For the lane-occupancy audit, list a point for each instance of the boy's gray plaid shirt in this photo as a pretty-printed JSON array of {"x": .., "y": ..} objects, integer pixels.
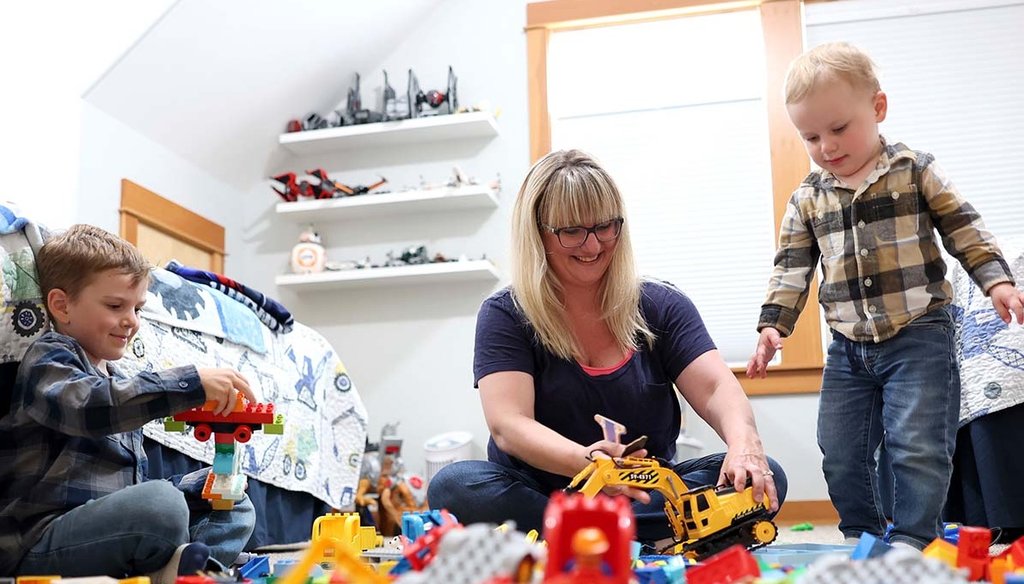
[
  {"x": 74, "y": 434},
  {"x": 879, "y": 253}
]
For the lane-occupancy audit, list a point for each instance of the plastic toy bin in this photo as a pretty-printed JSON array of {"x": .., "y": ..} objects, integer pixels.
[{"x": 444, "y": 449}]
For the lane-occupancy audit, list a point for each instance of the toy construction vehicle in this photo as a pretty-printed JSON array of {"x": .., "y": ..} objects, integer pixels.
[{"x": 704, "y": 521}]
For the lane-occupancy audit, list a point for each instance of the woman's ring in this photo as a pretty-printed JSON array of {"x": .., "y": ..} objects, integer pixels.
[{"x": 768, "y": 473}]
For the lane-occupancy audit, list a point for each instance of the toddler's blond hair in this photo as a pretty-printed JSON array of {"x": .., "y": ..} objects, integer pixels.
[{"x": 828, "y": 63}]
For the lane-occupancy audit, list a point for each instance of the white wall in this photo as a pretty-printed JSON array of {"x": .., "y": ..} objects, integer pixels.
[
  {"x": 409, "y": 350},
  {"x": 53, "y": 50},
  {"x": 111, "y": 151},
  {"x": 787, "y": 424}
]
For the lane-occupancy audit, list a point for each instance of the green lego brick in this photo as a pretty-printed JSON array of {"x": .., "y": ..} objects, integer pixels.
[{"x": 172, "y": 425}]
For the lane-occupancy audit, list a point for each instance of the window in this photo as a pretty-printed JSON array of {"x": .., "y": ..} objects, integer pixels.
[
  {"x": 952, "y": 71},
  {"x": 685, "y": 114},
  {"x": 686, "y": 139}
]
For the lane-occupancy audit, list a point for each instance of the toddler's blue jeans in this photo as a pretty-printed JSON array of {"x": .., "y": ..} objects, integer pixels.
[
  {"x": 135, "y": 531},
  {"x": 482, "y": 491},
  {"x": 906, "y": 391}
]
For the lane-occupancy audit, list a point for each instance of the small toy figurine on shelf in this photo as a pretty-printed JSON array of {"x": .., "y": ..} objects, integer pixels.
[
  {"x": 433, "y": 102},
  {"x": 308, "y": 255},
  {"x": 293, "y": 190}
]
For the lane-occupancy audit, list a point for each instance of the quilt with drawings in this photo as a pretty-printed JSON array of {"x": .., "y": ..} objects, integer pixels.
[
  {"x": 21, "y": 301},
  {"x": 991, "y": 352},
  {"x": 321, "y": 450}
]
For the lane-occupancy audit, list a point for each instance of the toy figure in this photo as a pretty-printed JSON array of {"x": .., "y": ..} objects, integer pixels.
[
  {"x": 293, "y": 189},
  {"x": 308, "y": 254},
  {"x": 429, "y": 103},
  {"x": 354, "y": 108},
  {"x": 384, "y": 492}
]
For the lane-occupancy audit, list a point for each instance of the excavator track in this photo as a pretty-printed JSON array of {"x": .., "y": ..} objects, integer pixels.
[{"x": 752, "y": 532}]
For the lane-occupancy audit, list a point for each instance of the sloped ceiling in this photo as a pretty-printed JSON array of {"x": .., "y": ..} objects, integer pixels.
[{"x": 216, "y": 82}]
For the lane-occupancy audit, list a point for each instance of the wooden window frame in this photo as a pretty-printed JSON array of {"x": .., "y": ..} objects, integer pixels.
[
  {"x": 782, "y": 26},
  {"x": 141, "y": 205}
]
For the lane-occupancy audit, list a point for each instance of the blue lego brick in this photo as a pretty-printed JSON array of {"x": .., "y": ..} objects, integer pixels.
[
  {"x": 650, "y": 575},
  {"x": 417, "y": 523},
  {"x": 223, "y": 464},
  {"x": 798, "y": 554},
  {"x": 869, "y": 546},
  {"x": 257, "y": 567},
  {"x": 951, "y": 532}
]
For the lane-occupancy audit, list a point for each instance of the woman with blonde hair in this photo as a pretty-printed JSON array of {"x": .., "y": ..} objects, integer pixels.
[{"x": 579, "y": 334}]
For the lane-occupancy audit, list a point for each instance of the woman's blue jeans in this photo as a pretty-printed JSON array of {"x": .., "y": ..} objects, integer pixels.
[
  {"x": 135, "y": 531},
  {"x": 482, "y": 491},
  {"x": 906, "y": 391}
]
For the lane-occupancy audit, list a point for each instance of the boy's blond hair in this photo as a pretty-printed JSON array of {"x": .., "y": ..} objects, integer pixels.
[
  {"x": 828, "y": 63},
  {"x": 69, "y": 260},
  {"x": 566, "y": 188}
]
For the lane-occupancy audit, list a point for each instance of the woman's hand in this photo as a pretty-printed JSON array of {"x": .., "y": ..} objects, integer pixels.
[
  {"x": 606, "y": 449},
  {"x": 741, "y": 464}
]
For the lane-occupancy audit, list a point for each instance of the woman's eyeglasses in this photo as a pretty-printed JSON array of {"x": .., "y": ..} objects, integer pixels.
[{"x": 577, "y": 235}]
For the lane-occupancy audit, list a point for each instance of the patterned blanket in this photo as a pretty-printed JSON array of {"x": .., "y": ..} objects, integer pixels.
[
  {"x": 321, "y": 450},
  {"x": 175, "y": 301},
  {"x": 991, "y": 353},
  {"x": 24, "y": 318}
]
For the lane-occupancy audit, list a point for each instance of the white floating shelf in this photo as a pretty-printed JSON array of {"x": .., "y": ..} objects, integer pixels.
[
  {"x": 379, "y": 205},
  {"x": 425, "y": 129},
  {"x": 441, "y": 272}
]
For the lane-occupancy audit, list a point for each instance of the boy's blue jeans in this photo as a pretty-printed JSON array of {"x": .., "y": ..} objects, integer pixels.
[
  {"x": 905, "y": 390},
  {"x": 135, "y": 531},
  {"x": 482, "y": 491}
]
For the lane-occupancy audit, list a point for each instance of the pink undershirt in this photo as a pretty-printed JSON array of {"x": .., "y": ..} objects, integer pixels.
[{"x": 595, "y": 371}]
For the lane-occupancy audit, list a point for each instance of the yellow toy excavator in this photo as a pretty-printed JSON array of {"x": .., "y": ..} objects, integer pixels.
[{"x": 704, "y": 521}]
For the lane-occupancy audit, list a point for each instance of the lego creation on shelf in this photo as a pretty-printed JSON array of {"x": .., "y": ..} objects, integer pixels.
[
  {"x": 226, "y": 484},
  {"x": 458, "y": 126},
  {"x": 406, "y": 113},
  {"x": 325, "y": 188}
]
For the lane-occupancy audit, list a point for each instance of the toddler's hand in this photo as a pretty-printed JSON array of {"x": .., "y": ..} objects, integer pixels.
[
  {"x": 1008, "y": 301},
  {"x": 222, "y": 386},
  {"x": 769, "y": 342}
]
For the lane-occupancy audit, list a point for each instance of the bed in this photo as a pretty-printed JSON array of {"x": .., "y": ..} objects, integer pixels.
[
  {"x": 312, "y": 469},
  {"x": 987, "y": 472}
]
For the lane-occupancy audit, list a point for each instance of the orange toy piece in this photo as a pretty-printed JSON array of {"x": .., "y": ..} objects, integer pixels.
[{"x": 588, "y": 546}]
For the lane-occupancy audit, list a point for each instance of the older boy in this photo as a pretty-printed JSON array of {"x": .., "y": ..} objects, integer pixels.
[
  {"x": 870, "y": 214},
  {"x": 74, "y": 499}
]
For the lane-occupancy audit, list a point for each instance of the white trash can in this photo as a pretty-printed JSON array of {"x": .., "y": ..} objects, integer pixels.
[{"x": 444, "y": 449}]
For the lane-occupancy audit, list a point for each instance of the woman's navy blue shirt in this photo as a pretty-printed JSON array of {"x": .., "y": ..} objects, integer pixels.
[{"x": 640, "y": 394}]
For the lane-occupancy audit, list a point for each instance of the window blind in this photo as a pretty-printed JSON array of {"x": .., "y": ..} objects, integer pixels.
[
  {"x": 674, "y": 110},
  {"x": 954, "y": 74}
]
